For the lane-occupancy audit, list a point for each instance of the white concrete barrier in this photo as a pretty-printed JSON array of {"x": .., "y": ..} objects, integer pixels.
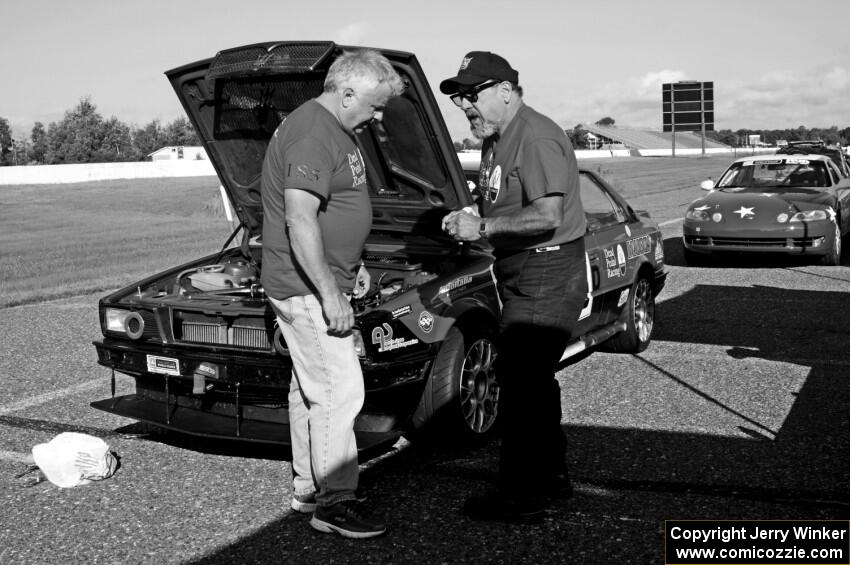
[
  {"x": 84, "y": 172},
  {"x": 472, "y": 157},
  {"x": 602, "y": 153}
]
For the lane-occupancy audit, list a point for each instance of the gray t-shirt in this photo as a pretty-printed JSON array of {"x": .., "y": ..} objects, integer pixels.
[{"x": 310, "y": 151}]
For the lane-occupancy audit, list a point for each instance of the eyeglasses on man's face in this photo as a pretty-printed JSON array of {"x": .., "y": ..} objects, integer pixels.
[{"x": 472, "y": 94}]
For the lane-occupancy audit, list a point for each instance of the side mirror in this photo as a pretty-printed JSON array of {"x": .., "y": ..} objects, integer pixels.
[{"x": 707, "y": 184}]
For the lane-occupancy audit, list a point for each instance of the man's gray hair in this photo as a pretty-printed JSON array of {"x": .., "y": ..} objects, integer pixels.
[{"x": 362, "y": 65}]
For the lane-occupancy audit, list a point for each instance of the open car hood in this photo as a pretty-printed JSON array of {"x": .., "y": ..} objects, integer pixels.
[{"x": 236, "y": 100}]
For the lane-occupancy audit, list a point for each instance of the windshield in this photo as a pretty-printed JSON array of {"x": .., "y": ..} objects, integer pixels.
[{"x": 775, "y": 173}]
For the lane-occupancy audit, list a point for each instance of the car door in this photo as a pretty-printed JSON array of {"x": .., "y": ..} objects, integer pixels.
[{"x": 607, "y": 233}]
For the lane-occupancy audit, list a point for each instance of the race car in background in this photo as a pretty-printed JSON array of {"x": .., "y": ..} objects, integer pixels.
[
  {"x": 836, "y": 153},
  {"x": 200, "y": 340},
  {"x": 796, "y": 204}
]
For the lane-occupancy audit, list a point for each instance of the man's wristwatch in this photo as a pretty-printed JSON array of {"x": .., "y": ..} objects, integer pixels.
[{"x": 482, "y": 229}]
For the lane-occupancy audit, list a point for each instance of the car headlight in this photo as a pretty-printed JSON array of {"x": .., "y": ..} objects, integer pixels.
[
  {"x": 698, "y": 215},
  {"x": 809, "y": 216},
  {"x": 124, "y": 321}
]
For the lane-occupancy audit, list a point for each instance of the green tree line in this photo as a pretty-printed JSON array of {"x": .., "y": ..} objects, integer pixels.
[
  {"x": 84, "y": 136},
  {"x": 739, "y": 137}
]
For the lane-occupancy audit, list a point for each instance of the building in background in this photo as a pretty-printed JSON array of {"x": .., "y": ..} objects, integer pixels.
[
  {"x": 611, "y": 137},
  {"x": 174, "y": 153}
]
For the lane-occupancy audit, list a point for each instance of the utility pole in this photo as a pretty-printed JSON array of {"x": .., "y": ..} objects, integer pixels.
[{"x": 702, "y": 114}]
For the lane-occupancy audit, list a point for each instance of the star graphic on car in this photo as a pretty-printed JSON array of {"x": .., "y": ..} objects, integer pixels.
[
  {"x": 744, "y": 212},
  {"x": 831, "y": 213}
]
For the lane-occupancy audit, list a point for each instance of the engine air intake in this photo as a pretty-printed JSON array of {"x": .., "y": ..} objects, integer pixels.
[{"x": 287, "y": 57}]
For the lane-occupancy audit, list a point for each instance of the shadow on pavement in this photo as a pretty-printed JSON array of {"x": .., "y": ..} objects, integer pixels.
[{"x": 628, "y": 480}]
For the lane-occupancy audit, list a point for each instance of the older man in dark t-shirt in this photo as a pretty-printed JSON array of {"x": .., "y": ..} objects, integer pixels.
[
  {"x": 317, "y": 215},
  {"x": 531, "y": 212}
]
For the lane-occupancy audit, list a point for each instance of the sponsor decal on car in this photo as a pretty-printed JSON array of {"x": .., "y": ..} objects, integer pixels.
[
  {"x": 624, "y": 295},
  {"x": 426, "y": 321},
  {"x": 638, "y": 246},
  {"x": 163, "y": 365},
  {"x": 207, "y": 369},
  {"x": 455, "y": 284},
  {"x": 382, "y": 336},
  {"x": 588, "y": 303},
  {"x": 615, "y": 261},
  {"x": 401, "y": 311}
]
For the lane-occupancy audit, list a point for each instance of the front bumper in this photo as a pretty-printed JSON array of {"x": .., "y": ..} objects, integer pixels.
[
  {"x": 813, "y": 238},
  {"x": 175, "y": 415},
  {"x": 247, "y": 398}
]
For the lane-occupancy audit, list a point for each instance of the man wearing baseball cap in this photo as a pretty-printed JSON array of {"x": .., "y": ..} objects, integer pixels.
[{"x": 529, "y": 209}]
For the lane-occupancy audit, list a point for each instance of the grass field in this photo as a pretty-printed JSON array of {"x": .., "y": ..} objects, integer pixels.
[{"x": 63, "y": 240}]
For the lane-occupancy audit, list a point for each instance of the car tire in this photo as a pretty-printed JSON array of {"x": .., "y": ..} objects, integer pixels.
[
  {"x": 833, "y": 257},
  {"x": 460, "y": 402},
  {"x": 639, "y": 317}
]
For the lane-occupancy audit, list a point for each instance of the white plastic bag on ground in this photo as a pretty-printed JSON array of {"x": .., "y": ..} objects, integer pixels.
[{"x": 71, "y": 459}]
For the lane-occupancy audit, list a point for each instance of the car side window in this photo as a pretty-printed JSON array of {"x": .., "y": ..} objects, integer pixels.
[{"x": 601, "y": 211}]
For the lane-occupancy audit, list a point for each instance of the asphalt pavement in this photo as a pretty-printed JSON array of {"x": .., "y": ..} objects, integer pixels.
[{"x": 738, "y": 410}]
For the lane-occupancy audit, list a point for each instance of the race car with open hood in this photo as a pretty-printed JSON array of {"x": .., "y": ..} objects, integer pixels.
[
  {"x": 789, "y": 204},
  {"x": 201, "y": 342}
]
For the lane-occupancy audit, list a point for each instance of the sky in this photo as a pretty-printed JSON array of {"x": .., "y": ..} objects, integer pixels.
[{"x": 777, "y": 64}]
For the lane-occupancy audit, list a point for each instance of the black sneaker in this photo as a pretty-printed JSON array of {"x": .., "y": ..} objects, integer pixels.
[
  {"x": 498, "y": 507},
  {"x": 346, "y": 519}
]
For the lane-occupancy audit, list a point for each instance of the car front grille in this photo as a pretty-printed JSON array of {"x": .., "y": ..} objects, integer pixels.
[
  {"x": 250, "y": 333},
  {"x": 204, "y": 333},
  {"x": 755, "y": 242},
  {"x": 246, "y": 336}
]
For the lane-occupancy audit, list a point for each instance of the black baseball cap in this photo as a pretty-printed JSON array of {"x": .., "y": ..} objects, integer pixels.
[{"x": 478, "y": 67}]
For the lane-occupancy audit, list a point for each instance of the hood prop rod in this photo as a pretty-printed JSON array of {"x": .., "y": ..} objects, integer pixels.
[{"x": 230, "y": 239}]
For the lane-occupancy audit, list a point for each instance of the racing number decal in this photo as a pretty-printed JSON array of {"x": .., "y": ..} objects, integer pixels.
[{"x": 382, "y": 336}]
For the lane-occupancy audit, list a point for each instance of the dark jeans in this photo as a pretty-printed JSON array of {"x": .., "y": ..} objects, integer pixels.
[{"x": 542, "y": 294}]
